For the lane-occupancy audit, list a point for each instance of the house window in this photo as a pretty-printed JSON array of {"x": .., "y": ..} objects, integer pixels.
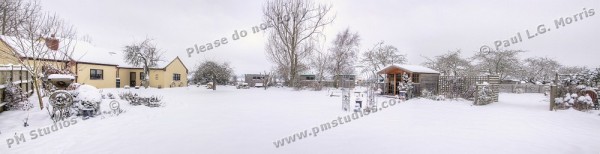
[
  {"x": 176, "y": 77},
  {"x": 96, "y": 74},
  {"x": 310, "y": 78},
  {"x": 142, "y": 75}
]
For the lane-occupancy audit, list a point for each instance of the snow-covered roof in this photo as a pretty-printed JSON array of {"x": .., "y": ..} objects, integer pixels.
[
  {"x": 61, "y": 76},
  {"x": 409, "y": 68},
  {"x": 78, "y": 51}
]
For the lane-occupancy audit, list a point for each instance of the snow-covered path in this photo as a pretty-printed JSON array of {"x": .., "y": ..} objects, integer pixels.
[{"x": 229, "y": 120}]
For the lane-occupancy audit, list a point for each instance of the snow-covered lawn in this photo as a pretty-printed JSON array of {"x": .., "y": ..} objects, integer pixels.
[{"x": 229, "y": 120}]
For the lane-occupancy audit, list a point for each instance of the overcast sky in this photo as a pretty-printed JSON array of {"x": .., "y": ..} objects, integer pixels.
[{"x": 416, "y": 27}]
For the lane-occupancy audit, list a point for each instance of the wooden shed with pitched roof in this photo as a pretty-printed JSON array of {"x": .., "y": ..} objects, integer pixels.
[{"x": 422, "y": 78}]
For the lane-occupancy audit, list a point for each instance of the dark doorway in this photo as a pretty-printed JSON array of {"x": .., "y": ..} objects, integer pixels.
[
  {"x": 132, "y": 79},
  {"x": 118, "y": 83}
]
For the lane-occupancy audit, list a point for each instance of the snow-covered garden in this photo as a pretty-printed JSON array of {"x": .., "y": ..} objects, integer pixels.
[
  {"x": 299, "y": 76},
  {"x": 199, "y": 120}
]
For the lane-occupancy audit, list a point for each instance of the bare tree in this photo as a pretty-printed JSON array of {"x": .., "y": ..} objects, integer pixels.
[
  {"x": 42, "y": 40},
  {"x": 267, "y": 80},
  {"x": 14, "y": 13},
  {"x": 451, "y": 64},
  {"x": 502, "y": 63},
  {"x": 294, "y": 24},
  {"x": 343, "y": 54},
  {"x": 319, "y": 64},
  {"x": 144, "y": 54},
  {"x": 539, "y": 69},
  {"x": 213, "y": 71},
  {"x": 381, "y": 56},
  {"x": 572, "y": 69}
]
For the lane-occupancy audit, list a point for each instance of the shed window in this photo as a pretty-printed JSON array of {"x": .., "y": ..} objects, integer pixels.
[{"x": 415, "y": 78}]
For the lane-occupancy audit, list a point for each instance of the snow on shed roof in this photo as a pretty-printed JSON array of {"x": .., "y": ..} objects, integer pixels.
[{"x": 409, "y": 68}]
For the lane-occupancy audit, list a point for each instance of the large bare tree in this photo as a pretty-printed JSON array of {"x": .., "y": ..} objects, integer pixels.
[
  {"x": 343, "y": 54},
  {"x": 504, "y": 63},
  {"x": 380, "y": 56},
  {"x": 451, "y": 64},
  {"x": 319, "y": 63},
  {"x": 539, "y": 69},
  {"x": 13, "y": 13},
  {"x": 294, "y": 24},
  {"x": 143, "y": 54},
  {"x": 31, "y": 46}
]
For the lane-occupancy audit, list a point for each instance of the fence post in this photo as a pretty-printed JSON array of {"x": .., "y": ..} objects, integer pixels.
[
  {"x": 11, "y": 73},
  {"x": 494, "y": 82},
  {"x": 476, "y": 102},
  {"x": 513, "y": 88},
  {"x": 553, "y": 93}
]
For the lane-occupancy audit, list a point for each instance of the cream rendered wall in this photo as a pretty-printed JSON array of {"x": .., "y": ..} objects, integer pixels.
[
  {"x": 109, "y": 75},
  {"x": 156, "y": 78},
  {"x": 154, "y": 73},
  {"x": 125, "y": 77},
  {"x": 176, "y": 66},
  {"x": 5, "y": 56}
]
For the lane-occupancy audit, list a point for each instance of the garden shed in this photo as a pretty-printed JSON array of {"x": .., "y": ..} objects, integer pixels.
[{"x": 422, "y": 78}]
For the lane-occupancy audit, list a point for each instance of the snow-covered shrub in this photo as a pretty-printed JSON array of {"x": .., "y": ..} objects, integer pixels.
[
  {"x": 562, "y": 102},
  {"x": 110, "y": 96},
  {"x": 439, "y": 98},
  {"x": 88, "y": 99},
  {"x": 568, "y": 100},
  {"x": 126, "y": 96},
  {"x": 316, "y": 86},
  {"x": 469, "y": 93},
  {"x": 484, "y": 95},
  {"x": 73, "y": 86},
  {"x": 519, "y": 90},
  {"x": 426, "y": 93},
  {"x": 15, "y": 97},
  {"x": 299, "y": 87},
  {"x": 135, "y": 100},
  {"x": 558, "y": 101},
  {"x": 583, "y": 103},
  {"x": 152, "y": 101}
]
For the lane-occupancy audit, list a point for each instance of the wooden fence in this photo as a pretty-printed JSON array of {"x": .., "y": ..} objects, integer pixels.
[
  {"x": 17, "y": 75},
  {"x": 524, "y": 88},
  {"x": 465, "y": 86}
]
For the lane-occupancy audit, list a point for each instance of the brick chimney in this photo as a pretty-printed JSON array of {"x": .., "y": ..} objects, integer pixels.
[{"x": 52, "y": 42}]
